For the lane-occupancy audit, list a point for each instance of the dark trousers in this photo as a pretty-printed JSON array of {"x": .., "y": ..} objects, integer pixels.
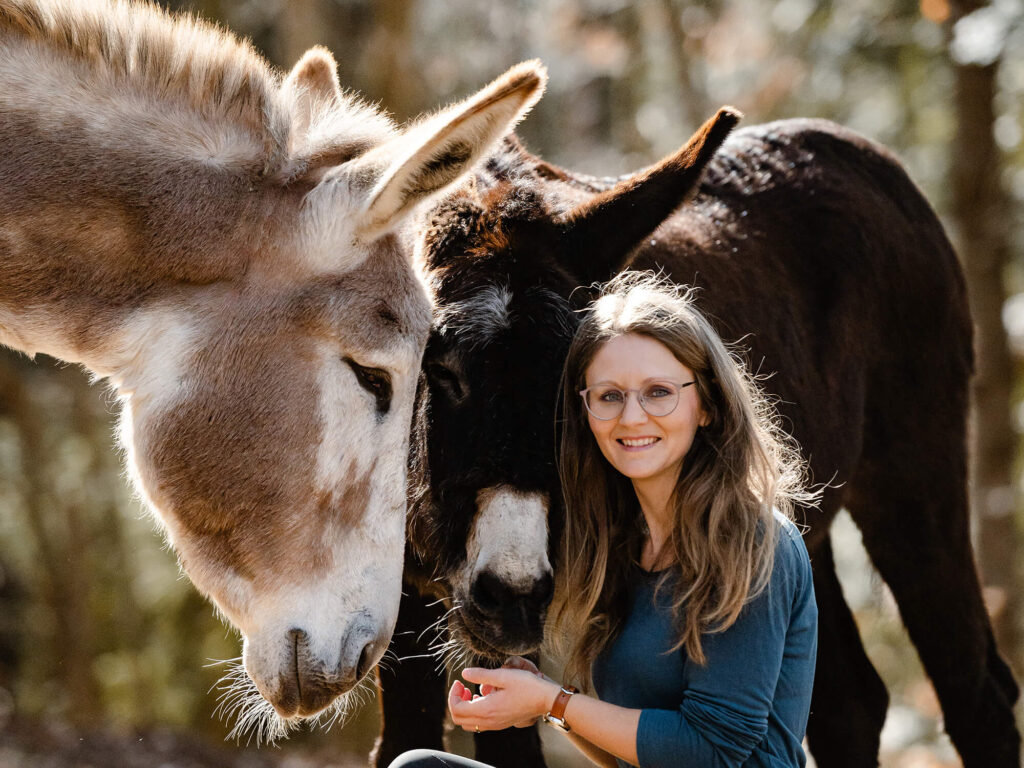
[{"x": 429, "y": 758}]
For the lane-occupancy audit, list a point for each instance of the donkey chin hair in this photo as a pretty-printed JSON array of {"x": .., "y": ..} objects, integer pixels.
[{"x": 254, "y": 719}]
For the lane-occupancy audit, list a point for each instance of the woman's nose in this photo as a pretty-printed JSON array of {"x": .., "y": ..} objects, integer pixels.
[{"x": 632, "y": 413}]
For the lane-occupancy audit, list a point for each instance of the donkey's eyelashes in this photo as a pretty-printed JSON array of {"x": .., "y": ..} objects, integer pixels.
[
  {"x": 376, "y": 381},
  {"x": 446, "y": 380}
]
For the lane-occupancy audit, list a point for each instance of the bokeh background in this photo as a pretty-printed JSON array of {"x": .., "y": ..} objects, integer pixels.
[{"x": 107, "y": 655}]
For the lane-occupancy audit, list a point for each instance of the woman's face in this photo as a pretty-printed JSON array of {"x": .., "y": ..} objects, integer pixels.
[{"x": 641, "y": 446}]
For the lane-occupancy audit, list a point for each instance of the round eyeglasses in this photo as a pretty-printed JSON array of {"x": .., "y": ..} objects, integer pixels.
[{"x": 658, "y": 398}]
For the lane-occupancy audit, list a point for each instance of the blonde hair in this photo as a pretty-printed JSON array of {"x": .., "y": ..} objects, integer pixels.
[{"x": 740, "y": 468}]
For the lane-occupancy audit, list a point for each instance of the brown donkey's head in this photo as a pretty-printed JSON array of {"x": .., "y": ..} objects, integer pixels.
[
  {"x": 233, "y": 252},
  {"x": 504, "y": 259}
]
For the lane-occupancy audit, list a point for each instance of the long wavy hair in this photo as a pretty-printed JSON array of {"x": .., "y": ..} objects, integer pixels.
[{"x": 740, "y": 468}]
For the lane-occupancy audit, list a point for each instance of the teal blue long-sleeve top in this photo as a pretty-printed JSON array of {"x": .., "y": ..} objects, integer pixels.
[{"x": 748, "y": 705}]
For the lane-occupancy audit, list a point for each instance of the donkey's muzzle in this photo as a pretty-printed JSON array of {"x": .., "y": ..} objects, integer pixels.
[
  {"x": 514, "y": 613},
  {"x": 310, "y": 685}
]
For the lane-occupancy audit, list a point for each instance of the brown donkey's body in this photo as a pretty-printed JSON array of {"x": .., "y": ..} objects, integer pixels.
[
  {"x": 227, "y": 247},
  {"x": 810, "y": 244}
]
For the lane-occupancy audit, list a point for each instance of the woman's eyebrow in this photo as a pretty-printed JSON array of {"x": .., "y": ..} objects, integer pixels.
[{"x": 651, "y": 380}]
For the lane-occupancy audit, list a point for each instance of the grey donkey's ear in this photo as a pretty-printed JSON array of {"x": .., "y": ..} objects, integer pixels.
[
  {"x": 314, "y": 81},
  {"x": 442, "y": 149},
  {"x": 315, "y": 145}
]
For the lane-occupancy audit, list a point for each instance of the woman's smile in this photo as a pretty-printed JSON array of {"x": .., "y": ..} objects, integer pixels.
[{"x": 637, "y": 443}]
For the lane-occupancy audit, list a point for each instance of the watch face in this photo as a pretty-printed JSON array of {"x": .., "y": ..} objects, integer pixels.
[{"x": 555, "y": 722}]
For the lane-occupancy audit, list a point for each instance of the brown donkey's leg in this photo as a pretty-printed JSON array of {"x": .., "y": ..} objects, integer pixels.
[
  {"x": 849, "y": 702},
  {"x": 909, "y": 498},
  {"x": 413, "y": 693}
]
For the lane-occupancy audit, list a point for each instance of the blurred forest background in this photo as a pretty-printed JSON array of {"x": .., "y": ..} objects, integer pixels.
[{"x": 105, "y": 650}]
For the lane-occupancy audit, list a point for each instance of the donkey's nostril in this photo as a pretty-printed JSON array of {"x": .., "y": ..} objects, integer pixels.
[
  {"x": 543, "y": 591},
  {"x": 489, "y": 593},
  {"x": 365, "y": 661},
  {"x": 492, "y": 596}
]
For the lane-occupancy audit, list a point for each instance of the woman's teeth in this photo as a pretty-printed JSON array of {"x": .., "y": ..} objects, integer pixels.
[{"x": 639, "y": 443}]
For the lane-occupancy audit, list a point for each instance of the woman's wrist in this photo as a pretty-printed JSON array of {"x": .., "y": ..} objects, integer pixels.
[{"x": 550, "y": 690}]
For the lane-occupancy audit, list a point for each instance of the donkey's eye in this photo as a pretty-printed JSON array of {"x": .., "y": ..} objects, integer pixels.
[
  {"x": 375, "y": 381},
  {"x": 445, "y": 380}
]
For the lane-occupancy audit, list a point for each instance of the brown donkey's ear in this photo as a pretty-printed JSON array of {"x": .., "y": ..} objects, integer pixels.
[{"x": 600, "y": 234}]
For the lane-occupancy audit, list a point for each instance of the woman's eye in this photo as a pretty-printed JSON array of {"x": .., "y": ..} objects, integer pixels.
[
  {"x": 376, "y": 381},
  {"x": 657, "y": 391},
  {"x": 610, "y": 396}
]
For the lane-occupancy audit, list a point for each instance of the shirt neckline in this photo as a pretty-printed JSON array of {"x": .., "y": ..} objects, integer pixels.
[{"x": 652, "y": 574}]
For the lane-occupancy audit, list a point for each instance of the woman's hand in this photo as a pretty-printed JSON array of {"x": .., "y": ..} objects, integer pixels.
[
  {"x": 518, "y": 662},
  {"x": 515, "y": 696}
]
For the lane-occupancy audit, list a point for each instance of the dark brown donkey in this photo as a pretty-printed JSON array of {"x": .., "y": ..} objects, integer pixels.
[{"x": 811, "y": 244}]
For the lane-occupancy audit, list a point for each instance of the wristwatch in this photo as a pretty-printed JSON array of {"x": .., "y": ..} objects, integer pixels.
[{"x": 556, "y": 717}]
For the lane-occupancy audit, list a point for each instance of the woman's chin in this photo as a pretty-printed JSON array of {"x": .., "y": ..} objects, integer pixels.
[{"x": 639, "y": 471}]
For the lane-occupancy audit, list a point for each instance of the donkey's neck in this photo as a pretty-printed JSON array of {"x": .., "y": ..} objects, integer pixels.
[
  {"x": 80, "y": 260},
  {"x": 133, "y": 162}
]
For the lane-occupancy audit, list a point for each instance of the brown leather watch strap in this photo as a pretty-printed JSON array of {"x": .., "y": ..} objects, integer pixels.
[{"x": 556, "y": 716}]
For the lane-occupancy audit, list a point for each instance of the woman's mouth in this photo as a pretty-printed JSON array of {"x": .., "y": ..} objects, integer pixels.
[{"x": 637, "y": 443}]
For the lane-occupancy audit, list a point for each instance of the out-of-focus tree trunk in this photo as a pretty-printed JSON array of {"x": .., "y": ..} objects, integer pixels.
[
  {"x": 629, "y": 91},
  {"x": 301, "y": 24},
  {"x": 982, "y": 211},
  {"x": 694, "y": 99},
  {"x": 12, "y": 595},
  {"x": 12, "y": 599},
  {"x": 388, "y": 67},
  {"x": 10, "y": 608},
  {"x": 372, "y": 43},
  {"x": 62, "y": 571}
]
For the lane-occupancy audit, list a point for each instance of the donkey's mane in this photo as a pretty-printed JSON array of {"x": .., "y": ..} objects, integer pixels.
[{"x": 182, "y": 59}]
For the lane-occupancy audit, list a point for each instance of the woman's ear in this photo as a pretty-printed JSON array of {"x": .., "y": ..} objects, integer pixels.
[{"x": 707, "y": 411}]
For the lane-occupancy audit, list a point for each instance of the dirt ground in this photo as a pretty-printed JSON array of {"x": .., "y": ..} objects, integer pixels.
[{"x": 28, "y": 744}]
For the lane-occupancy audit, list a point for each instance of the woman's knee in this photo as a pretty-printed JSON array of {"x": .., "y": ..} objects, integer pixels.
[{"x": 422, "y": 758}]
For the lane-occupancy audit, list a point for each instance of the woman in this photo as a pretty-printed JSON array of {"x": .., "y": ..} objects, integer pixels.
[{"x": 685, "y": 592}]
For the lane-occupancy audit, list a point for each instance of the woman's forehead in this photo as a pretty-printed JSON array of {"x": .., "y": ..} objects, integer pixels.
[{"x": 633, "y": 359}]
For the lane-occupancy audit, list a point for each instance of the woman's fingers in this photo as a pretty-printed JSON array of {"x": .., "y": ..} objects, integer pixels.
[
  {"x": 460, "y": 691},
  {"x": 486, "y": 688},
  {"x": 455, "y": 696},
  {"x": 497, "y": 678},
  {"x": 470, "y": 712}
]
